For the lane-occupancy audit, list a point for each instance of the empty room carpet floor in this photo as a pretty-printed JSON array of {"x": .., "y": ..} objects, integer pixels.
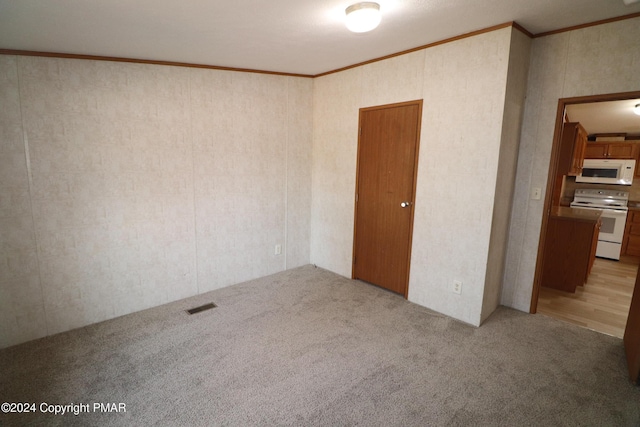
[{"x": 307, "y": 347}]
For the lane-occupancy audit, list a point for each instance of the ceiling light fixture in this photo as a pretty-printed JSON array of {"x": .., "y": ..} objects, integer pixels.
[
  {"x": 636, "y": 109},
  {"x": 363, "y": 17}
]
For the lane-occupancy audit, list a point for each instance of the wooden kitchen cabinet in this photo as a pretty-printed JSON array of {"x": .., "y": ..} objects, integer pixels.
[
  {"x": 631, "y": 239},
  {"x": 611, "y": 150},
  {"x": 569, "y": 247},
  {"x": 573, "y": 141},
  {"x": 594, "y": 150},
  {"x": 572, "y": 149}
]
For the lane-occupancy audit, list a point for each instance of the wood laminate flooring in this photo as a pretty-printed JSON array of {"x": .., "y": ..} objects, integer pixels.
[{"x": 602, "y": 304}]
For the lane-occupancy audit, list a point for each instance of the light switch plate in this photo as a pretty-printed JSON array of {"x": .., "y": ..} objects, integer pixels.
[{"x": 536, "y": 193}]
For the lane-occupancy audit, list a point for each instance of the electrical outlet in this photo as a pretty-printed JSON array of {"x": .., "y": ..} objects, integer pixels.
[
  {"x": 278, "y": 250},
  {"x": 457, "y": 287}
]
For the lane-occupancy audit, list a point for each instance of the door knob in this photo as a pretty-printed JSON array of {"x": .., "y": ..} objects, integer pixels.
[{"x": 405, "y": 204}]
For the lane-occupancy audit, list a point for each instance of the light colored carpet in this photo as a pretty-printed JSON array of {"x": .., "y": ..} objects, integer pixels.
[{"x": 307, "y": 347}]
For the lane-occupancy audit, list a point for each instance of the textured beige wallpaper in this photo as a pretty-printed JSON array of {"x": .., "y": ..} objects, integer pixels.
[
  {"x": 594, "y": 60},
  {"x": 506, "y": 174},
  {"x": 147, "y": 184},
  {"x": 21, "y": 303},
  {"x": 463, "y": 85},
  {"x": 335, "y": 133},
  {"x": 464, "y": 92},
  {"x": 124, "y": 186}
]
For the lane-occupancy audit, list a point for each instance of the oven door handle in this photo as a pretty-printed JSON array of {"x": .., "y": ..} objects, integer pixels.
[{"x": 604, "y": 210}]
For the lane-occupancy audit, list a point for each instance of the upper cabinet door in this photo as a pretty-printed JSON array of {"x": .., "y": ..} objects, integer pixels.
[
  {"x": 611, "y": 150},
  {"x": 595, "y": 151},
  {"x": 621, "y": 150}
]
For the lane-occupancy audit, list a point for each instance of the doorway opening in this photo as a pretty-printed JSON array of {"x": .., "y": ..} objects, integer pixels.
[{"x": 602, "y": 304}]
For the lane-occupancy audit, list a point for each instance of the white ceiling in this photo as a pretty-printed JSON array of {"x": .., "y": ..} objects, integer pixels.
[
  {"x": 606, "y": 117},
  {"x": 292, "y": 36}
]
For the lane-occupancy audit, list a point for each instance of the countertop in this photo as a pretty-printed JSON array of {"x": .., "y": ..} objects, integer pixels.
[
  {"x": 633, "y": 204},
  {"x": 576, "y": 213}
]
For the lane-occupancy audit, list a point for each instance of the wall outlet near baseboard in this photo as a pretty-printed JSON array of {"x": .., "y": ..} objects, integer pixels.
[
  {"x": 278, "y": 250},
  {"x": 457, "y": 287}
]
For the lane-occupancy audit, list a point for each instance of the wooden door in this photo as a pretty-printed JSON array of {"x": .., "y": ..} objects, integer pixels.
[
  {"x": 632, "y": 335},
  {"x": 385, "y": 189}
]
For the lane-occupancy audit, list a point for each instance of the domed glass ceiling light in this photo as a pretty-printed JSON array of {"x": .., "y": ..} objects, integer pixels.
[
  {"x": 363, "y": 17},
  {"x": 636, "y": 109}
]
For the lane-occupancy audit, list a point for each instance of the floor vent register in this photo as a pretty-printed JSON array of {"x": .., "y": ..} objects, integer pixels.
[{"x": 201, "y": 308}]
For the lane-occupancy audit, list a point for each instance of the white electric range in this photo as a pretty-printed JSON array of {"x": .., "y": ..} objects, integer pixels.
[{"x": 614, "y": 217}]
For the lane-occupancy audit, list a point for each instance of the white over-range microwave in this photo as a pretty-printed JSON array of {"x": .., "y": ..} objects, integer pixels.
[{"x": 610, "y": 171}]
